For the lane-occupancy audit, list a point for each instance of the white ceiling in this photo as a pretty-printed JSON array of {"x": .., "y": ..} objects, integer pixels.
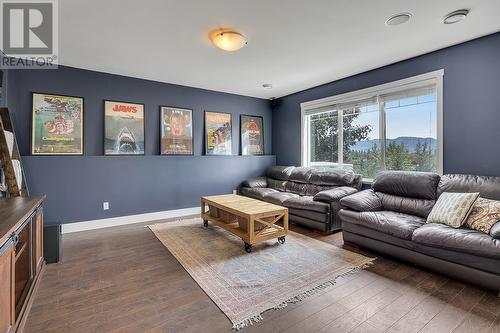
[{"x": 292, "y": 44}]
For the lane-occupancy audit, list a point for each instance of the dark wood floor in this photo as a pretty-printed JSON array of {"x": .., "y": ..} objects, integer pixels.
[{"x": 123, "y": 280}]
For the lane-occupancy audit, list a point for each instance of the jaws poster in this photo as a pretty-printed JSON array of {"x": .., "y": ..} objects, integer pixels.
[{"x": 123, "y": 128}]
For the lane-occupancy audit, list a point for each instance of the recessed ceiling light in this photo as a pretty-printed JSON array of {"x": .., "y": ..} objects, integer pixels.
[
  {"x": 267, "y": 86},
  {"x": 398, "y": 19},
  {"x": 227, "y": 39},
  {"x": 456, "y": 16}
]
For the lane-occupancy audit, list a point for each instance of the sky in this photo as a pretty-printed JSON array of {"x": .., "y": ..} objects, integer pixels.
[{"x": 417, "y": 120}]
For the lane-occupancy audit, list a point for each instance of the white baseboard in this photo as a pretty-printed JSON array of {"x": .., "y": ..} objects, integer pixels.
[{"x": 129, "y": 219}]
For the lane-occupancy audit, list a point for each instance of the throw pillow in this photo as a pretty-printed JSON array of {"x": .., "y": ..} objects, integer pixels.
[
  {"x": 484, "y": 215},
  {"x": 452, "y": 208}
]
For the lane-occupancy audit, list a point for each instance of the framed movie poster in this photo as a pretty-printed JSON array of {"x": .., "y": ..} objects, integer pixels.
[
  {"x": 218, "y": 133},
  {"x": 57, "y": 125},
  {"x": 123, "y": 128},
  {"x": 176, "y": 131},
  {"x": 251, "y": 135}
]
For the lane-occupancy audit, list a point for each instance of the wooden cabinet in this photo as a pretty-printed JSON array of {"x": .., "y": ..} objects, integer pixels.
[
  {"x": 7, "y": 311},
  {"x": 38, "y": 239},
  {"x": 21, "y": 258},
  {"x": 23, "y": 266}
]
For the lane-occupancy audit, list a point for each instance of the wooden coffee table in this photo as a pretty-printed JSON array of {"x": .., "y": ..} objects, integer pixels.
[{"x": 250, "y": 219}]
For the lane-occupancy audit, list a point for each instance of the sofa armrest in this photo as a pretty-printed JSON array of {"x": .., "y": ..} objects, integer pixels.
[
  {"x": 364, "y": 201},
  {"x": 335, "y": 194},
  {"x": 255, "y": 182},
  {"x": 495, "y": 231}
]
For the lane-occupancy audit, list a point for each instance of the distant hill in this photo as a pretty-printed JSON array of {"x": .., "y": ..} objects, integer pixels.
[{"x": 410, "y": 142}]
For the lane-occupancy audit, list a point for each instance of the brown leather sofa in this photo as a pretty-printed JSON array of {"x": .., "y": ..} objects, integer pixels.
[
  {"x": 390, "y": 218},
  {"x": 311, "y": 195}
]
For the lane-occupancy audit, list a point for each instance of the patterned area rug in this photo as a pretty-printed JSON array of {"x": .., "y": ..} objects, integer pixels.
[{"x": 245, "y": 285}]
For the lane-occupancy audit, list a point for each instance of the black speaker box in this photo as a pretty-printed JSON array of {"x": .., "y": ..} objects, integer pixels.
[{"x": 52, "y": 243}]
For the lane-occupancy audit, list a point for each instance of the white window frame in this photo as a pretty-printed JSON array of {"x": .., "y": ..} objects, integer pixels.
[{"x": 307, "y": 109}]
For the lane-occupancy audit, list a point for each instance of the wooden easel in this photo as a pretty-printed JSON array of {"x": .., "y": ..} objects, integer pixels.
[{"x": 13, "y": 189}]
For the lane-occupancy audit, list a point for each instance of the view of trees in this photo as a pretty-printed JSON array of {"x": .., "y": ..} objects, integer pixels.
[
  {"x": 367, "y": 162},
  {"x": 324, "y": 132},
  {"x": 399, "y": 157}
]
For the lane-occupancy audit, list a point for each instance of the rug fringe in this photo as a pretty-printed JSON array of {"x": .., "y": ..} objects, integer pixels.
[
  {"x": 308, "y": 293},
  {"x": 324, "y": 285},
  {"x": 248, "y": 322}
]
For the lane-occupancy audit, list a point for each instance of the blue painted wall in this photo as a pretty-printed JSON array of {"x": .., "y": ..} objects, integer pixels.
[
  {"x": 77, "y": 186},
  {"x": 471, "y": 104}
]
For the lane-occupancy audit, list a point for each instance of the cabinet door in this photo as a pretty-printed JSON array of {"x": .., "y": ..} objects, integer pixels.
[
  {"x": 7, "y": 305},
  {"x": 39, "y": 240}
]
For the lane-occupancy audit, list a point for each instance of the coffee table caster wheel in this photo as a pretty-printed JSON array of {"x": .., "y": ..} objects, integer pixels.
[
  {"x": 205, "y": 223},
  {"x": 281, "y": 240},
  {"x": 248, "y": 247}
]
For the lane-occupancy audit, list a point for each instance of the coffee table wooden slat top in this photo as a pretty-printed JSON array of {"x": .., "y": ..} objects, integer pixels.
[
  {"x": 239, "y": 205},
  {"x": 251, "y": 211}
]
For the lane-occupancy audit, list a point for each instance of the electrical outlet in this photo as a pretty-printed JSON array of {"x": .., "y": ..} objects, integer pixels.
[{"x": 105, "y": 205}]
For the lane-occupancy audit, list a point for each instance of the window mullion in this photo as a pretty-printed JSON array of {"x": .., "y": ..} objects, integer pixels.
[
  {"x": 382, "y": 126},
  {"x": 340, "y": 153},
  {"x": 307, "y": 139}
]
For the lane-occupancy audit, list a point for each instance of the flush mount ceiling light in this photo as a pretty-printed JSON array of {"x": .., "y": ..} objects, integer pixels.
[
  {"x": 398, "y": 19},
  {"x": 227, "y": 39},
  {"x": 456, "y": 16}
]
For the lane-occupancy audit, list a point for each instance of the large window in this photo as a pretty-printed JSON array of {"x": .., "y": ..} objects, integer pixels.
[{"x": 395, "y": 126}]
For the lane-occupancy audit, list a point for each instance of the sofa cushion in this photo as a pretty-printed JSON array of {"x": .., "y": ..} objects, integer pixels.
[
  {"x": 307, "y": 203},
  {"x": 255, "y": 182},
  {"x": 301, "y": 175},
  {"x": 279, "y": 172},
  {"x": 364, "y": 201},
  {"x": 412, "y": 206},
  {"x": 279, "y": 185},
  {"x": 452, "y": 208},
  {"x": 484, "y": 215},
  {"x": 488, "y": 187},
  {"x": 332, "y": 177},
  {"x": 298, "y": 188},
  {"x": 462, "y": 240},
  {"x": 407, "y": 184},
  {"x": 334, "y": 194},
  {"x": 305, "y": 189},
  {"x": 257, "y": 193},
  {"x": 279, "y": 197},
  {"x": 395, "y": 224},
  {"x": 313, "y": 189}
]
